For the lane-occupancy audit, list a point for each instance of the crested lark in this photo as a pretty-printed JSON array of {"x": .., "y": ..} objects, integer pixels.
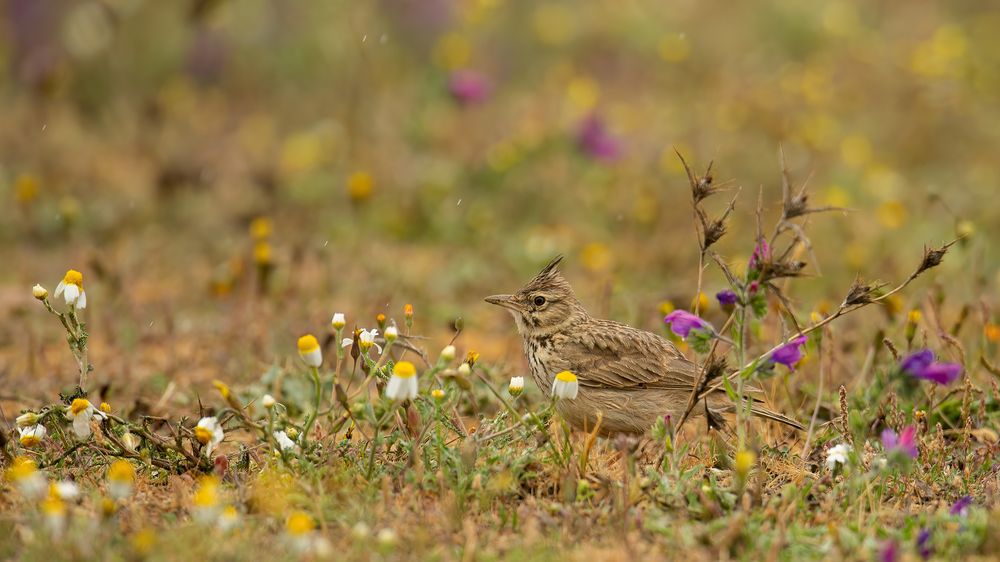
[{"x": 631, "y": 376}]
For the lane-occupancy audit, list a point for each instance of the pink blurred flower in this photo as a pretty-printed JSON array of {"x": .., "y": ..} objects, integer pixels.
[
  {"x": 469, "y": 87},
  {"x": 596, "y": 141}
]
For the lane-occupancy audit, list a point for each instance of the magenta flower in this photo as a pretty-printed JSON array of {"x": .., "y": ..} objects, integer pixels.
[
  {"x": 469, "y": 87},
  {"x": 597, "y": 142},
  {"x": 905, "y": 442},
  {"x": 889, "y": 552},
  {"x": 921, "y": 365},
  {"x": 761, "y": 253},
  {"x": 727, "y": 298},
  {"x": 790, "y": 353},
  {"x": 682, "y": 323},
  {"x": 961, "y": 507}
]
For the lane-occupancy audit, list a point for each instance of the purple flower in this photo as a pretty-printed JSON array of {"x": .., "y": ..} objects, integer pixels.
[
  {"x": 596, "y": 141},
  {"x": 682, "y": 322},
  {"x": 754, "y": 287},
  {"x": 790, "y": 353},
  {"x": 923, "y": 543},
  {"x": 761, "y": 253},
  {"x": 918, "y": 361},
  {"x": 905, "y": 442},
  {"x": 889, "y": 552},
  {"x": 469, "y": 87},
  {"x": 921, "y": 365},
  {"x": 961, "y": 507},
  {"x": 727, "y": 298}
]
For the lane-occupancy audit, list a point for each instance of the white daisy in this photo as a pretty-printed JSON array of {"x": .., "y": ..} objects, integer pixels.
[
  {"x": 71, "y": 289},
  {"x": 209, "y": 433},
  {"x": 403, "y": 383},
  {"x": 566, "y": 386}
]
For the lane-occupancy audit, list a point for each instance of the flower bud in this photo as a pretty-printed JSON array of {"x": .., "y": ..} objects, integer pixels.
[
  {"x": 391, "y": 334},
  {"x": 448, "y": 354},
  {"x": 464, "y": 369},
  {"x": 39, "y": 292},
  {"x": 268, "y": 401},
  {"x": 27, "y": 419},
  {"x": 338, "y": 321}
]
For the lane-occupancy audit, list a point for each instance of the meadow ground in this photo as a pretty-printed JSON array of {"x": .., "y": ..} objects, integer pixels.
[{"x": 221, "y": 179}]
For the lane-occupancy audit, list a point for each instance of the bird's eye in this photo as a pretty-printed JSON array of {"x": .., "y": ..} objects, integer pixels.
[{"x": 539, "y": 300}]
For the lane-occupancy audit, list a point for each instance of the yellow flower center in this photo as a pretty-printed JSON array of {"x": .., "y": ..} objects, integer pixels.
[
  {"x": 52, "y": 505},
  {"x": 308, "y": 344},
  {"x": 105, "y": 407},
  {"x": 404, "y": 370},
  {"x": 566, "y": 376},
  {"x": 261, "y": 228},
  {"x": 360, "y": 185},
  {"x": 121, "y": 471},
  {"x": 437, "y": 393},
  {"x": 30, "y": 440},
  {"x": 73, "y": 277},
  {"x": 22, "y": 468},
  {"x": 471, "y": 358},
  {"x": 207, "y": 494},
  {"x": 203, "y": 435},
  {"x": 299, "y": 524},
  {"x": 78, "y": 406}
]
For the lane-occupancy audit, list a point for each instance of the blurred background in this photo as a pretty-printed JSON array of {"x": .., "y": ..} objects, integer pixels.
[{"x": 228, "y": 174}]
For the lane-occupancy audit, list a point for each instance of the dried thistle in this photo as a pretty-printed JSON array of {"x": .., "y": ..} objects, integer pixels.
[
  {"x": 862, "y": 292},
  {"x": 701, "y": 187},
  {"x": 933, "y": 257}
]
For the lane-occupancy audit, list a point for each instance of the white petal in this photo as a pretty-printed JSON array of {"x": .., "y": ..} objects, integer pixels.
[
  {"x": 81, "y": 425},
  {"x": 71, "y": 293},
  {"x": 348, "y": 342},
  {"x": 378, "y": 347},
  {"x": 81, "y": 302},
  {"x": 60, "y": 288},
  {"x": 314, "y": 358},
  {"x": 394, "y": 389},
  {"x": 411, "y": 388}
]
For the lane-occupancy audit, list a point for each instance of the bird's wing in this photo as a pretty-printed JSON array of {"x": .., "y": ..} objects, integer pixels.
[{"x": 613, "y": 355}]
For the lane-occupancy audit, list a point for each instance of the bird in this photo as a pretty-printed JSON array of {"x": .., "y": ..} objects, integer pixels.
[{"x": 627, "y": 376}]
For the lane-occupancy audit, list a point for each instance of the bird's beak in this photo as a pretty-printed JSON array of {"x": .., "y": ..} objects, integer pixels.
[{"x": 506, "y": 301}]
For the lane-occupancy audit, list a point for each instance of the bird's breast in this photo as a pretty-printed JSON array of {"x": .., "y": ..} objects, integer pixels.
[{"x": 544, "y": 360}]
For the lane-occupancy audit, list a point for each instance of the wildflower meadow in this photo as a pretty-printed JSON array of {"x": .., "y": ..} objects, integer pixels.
[{"x": 247, "y": 247}]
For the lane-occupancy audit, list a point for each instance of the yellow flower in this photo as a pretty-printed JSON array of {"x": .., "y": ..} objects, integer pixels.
[
  {"x": 206, "y": 499},
  {"x": 914, "y": 316},
  {"x": 565, "y": 386},
  {"x": 71, "y": 288},
  {"x": 223, "y": 389},
  {"x": 121, "y": 479},
  {"x": 31, "y": 436},
  {"x": 701, "y": 301},
  {"x": 209, "y": 433},
  {"x": 262, "y": 253},
  {"x": 80, "y": 412},
  {"x": 23, "y": 473},
  {"x": 438, "y": 394},
  {"x": 675, "y": 47},
  {"x": 744, "y": 462},
  {"x": 261, "y": 228},
  {"x": 359, "y": 186},
  {"x": 144, "y": 541},
  {"x": 992, "y": 332},
  {"x": 666, "y": 307},
  {"x": 516, "y": 386},
  {"x": 299, "y": 524},
  {"x": 596, "y": 257},
  {"x": 309, "y": 350},
  {"x": 105, "y": 407},
  {"x": 26, "y": 188},
  {"x": 471, "y": 358}
]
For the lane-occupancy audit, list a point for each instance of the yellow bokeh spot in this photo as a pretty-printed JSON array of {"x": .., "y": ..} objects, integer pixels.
[
  {"x": 360, "y": 186},
  {"x": 819, "y": 130},
  {"x": 856, "y": 255},
  {"x": 223, "y": 389},
  {"x": 840, "y": 18},
  {"x": 261, "y": 228},
  {"x": 596, "y": 257},
  {"x": 502, "y": 156},
  {"x": 965, "y": 228},
  {"x": 262, "y": 253},
  {"x": 855, "y": 150},
  {"x": 21, "y": 468},
  {"x": 452, "y": 51},
  {"x": 674, "y": 47},
  {"x": 744, "y": 462},
  {"x": 666, "y": 307},
  {"x": 836, "y": 196},
  {"x": 816, "y": 85},
  {"x": 207, "y": 494},
  {"x": 731, "y": 115},
  {"x": 701, "y": 301},
  {"x": 914, "y": 316},
  {"x": 301, "y": 153},
  {"x": 883, "y": 180},
  {"x": 939, "y": 56},
  {"x": 892, "y": 214},
  {"x": 554, "y": 24},
  {"x": 144, "y": 542},
  {"x": 26, "y": 188},
  {"x": 121, "y": 471},
  {"x": 299, "y": 523},
  {"x": 583, "y": 93},
  {"x": 670, "y": 163}
]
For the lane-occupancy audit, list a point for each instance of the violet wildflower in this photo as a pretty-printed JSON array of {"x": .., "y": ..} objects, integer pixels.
[
  {"x": 923, "y": 543},
  {"x": 596, "y": 141},
  {"x": 469, "y": 87},
  {"x": 921, "y": 365},
  {"x": 682, "y": 323},
  {"x": 905, "y": 442},
  {"x": 790, "y": 353},
  {"x": 961, "y": 507},
  {"x": 727, "y": 298}
]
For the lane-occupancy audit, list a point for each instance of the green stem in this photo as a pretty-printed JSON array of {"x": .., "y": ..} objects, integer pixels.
[{"x": 318, "y": 386}]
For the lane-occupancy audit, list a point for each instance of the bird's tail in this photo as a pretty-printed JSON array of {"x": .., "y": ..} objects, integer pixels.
[{"x": 775, "y": 416}]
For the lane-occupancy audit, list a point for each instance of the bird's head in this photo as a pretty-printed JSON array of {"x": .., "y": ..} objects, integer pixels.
[{"x": 544, "y": 305}]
